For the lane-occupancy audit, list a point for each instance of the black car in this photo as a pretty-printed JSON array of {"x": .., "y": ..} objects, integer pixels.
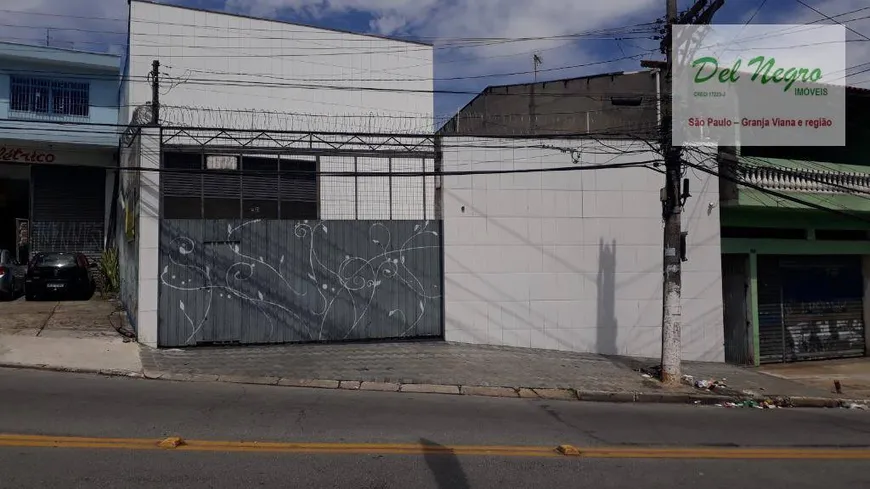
[{"x": 58, "y": 274}]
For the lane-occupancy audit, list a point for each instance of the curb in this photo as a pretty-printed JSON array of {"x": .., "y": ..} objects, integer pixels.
[
  {"x": 73, "y": 370},
  {"x": 511, "y": 392},
  {"x": 461, "y": 390}
]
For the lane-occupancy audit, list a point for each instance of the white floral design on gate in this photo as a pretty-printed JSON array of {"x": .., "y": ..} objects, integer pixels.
[{"x": 354, "y": 277}]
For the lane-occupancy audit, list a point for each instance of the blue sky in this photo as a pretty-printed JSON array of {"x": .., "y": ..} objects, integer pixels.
[{"x": 99, "y": 25}]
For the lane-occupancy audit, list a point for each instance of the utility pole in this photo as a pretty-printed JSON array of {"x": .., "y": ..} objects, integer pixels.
[
  {"x": 672, "y": 214},
  {"x": 673, "y": 197},
  {"x": 536, "y": 61},
  {"x": 155, "y": 93}
]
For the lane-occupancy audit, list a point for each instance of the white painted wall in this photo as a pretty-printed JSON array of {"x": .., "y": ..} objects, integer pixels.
[
  {"x": 236, "y": 63},
  {"x": 148, "y": 233},
  {"x": 128, "y": 247},
  {"x": 573, "y": 260}
]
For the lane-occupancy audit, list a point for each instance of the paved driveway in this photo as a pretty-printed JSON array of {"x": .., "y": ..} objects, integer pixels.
[{"x": 80, "y": 319}]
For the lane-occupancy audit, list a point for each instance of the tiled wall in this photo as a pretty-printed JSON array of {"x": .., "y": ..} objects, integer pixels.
[
  {"x": 218, "y": 47},
  {"x": 572, "y": 260},
  {"x": 149, "y": 237}
]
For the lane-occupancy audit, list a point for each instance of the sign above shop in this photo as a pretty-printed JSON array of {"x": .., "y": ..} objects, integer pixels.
[{"x": 19, "y": 155}]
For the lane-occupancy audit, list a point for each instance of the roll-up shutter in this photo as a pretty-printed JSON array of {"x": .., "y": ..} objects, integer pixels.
[
  {"x": 771, "y": 346},
  {"x": 298, "y": 189},
  {"x": 68, "y": 209},
  {"x": 819, "y": 312}
]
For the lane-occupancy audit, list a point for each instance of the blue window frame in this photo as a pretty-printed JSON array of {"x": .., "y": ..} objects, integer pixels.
[{"x": 49, "y": 97}]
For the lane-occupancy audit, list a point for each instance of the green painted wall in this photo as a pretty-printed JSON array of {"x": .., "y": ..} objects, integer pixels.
[
  {"x": 809, "y": 220},
  {"x": 791, "y": 218},
  {"x": 794, "y": 247},
  {"x": 748, "y": 197}
]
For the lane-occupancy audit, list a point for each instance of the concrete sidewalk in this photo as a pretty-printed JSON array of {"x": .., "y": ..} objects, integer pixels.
[
  {"x": 81, "y": 336},
  {"x": 853, "y": 375},
  {"x": 438, "y": 367},
  {"x": 78, "y": 336},
  {"x": 105, "y": 355}
]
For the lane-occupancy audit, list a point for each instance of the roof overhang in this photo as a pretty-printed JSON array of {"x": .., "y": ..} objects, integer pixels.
[{"x": 60, "y": 57}]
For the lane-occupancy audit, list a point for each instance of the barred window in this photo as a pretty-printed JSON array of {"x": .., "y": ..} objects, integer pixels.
[
  {"x": 50, "y": 97},
  {"x": 267, "y": 187}
]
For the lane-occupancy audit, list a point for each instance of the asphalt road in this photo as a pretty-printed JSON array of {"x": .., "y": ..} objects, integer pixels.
[{"x": 58, "y": 404}]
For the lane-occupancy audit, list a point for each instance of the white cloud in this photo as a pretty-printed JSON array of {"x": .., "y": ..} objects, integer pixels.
[
  {"x": 440, "y": 21},
  {"x": 857, "y": 47},
  {"x": 88, "y": 25}
]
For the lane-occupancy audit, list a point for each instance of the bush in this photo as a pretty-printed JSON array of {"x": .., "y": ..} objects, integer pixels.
[{"x": 110, "y": 269}]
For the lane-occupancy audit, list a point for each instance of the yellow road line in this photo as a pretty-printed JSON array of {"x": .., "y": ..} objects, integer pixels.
[{"x": 40, "y": 441}]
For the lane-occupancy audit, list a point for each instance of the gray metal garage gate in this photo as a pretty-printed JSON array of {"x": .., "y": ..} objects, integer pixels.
[
  {"x": 245, "y": 257},
  {"x": 810, "y": 308}
]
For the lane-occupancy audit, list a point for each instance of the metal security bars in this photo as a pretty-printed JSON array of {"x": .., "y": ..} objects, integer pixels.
[
  {"x": 49, "y": 97},
  {"x": 230, "y": 174},
  {"x": 260, "y": 187}
]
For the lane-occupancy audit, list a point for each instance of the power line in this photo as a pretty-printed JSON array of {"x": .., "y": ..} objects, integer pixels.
[
  {"x": 276, "y": 135},
  {"x": 457, "y": 78},
  {"x": 831, "y": 19},
  {"x": 777, "y": 194},
  {"x": 583, "y": 166},
  {"x": 307, "y": 86},
  {"x": 771, "y": 167},
  {"x": 329, "y": 33},
  {"x": 360, "y": 80},
  {"x": 765, "y": 164},
  {"x": 755, "y": 13}
]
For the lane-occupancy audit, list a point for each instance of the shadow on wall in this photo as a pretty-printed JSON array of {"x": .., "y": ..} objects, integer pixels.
[
  {"x": 606, "y": 326},
  {"x": 445, "y": 467},
  {"x": 606, "y": 286}
]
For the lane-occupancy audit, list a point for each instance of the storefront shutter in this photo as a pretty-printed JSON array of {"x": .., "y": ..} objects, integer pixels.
[{"x": 68, "y": 209}]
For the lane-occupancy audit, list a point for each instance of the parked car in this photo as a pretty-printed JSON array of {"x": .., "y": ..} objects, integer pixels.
[
  {"x": 58, "y": 274},
  {"x": 11, "y": 276}
]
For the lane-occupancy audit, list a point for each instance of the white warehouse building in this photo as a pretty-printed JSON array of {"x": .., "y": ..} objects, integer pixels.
[
  {"x": 264, "y": 127},
  {"x": 288, "y": 189}
]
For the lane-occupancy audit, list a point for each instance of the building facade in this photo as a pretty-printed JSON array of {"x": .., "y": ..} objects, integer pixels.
[
  {"x": 271, "y": 210},
  {"x": 58, "y": 146},
  {"x": 570, "y": 259},
  {"x": 795, "y": 250}
]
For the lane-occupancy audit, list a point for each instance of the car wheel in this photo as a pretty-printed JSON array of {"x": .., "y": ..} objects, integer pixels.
[{"x": 29, "y": 296}]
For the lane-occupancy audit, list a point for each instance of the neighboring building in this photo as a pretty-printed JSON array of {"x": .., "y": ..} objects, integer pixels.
[
  {"x": 59, "y": 109},
  {"x": 214, "y": 255},
  {"x": 796, "y": 275},
  {"x": 610, "y": 105},
  {"x": 571, "y": 260}
]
